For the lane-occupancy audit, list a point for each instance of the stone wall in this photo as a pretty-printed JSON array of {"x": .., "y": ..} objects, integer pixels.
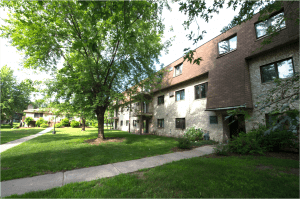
[
  {"x": 193, "y": 110},
  {"x": 257, "y": 87}
]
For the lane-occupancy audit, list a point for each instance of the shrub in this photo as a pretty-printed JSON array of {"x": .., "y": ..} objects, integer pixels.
[
  {"x": 74, "y": 124},
  {"x": 247, "y": 143},
  {"x": 277, "y": 140},
  {"x": 44, "y": 125},
  {"x": 15, "y": 126},
  {"x": 58, "y": 125},
  {"x": 28, "y": 120},
  {"x": 193, "y": 134},
  {"x": 221, "y": 149},
  {"x": 65, "y": 122},
  {"x": 184, "y": 143},
  {"x": 40, "y": 121}
]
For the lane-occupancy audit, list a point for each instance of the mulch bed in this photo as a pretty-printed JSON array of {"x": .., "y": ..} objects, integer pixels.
[{"x": 98, "y": 141}]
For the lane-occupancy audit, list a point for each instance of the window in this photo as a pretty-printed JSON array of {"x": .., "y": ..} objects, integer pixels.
[
  {"x": 213, "y": 119},
  {"x": 127, "y": 122},
  {"x": 127, "y": 108},
  {"x": 178, "y": 70},
  {"x": 134, "y": 123},
  {"x": 261, "y": 27},
  {"x": 38, "y": 115},
  {"x": 160, "y": 100},
  {"x": 274, "y": 119},
  {"x": 180, "y": 123},
  {"x": 280, "y": 69},
  {"x": 179, "y": 95},
  {"x": 227, "y": 45},
  {"x": 121, "y": 123},
  {"x": 160, "y": 123},
  {"x": 201, "y": 90}
]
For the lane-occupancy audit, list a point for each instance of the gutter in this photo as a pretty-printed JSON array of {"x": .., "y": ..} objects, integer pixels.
[{"x": 219, "y": 109}]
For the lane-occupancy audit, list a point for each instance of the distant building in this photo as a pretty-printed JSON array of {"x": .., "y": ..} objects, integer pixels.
[{"x": 44, "y": 113}]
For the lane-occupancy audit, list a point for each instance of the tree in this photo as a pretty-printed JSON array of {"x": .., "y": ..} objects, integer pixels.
[
  {"x": 105, "y": 45},
  {"x": 14, "y": 97},
  {"x": 28, "y": 120}
]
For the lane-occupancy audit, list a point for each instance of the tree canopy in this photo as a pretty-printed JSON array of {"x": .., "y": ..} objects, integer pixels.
[
  {"x": 15, "y": 96},
  {"x": 107, "y": 46}
]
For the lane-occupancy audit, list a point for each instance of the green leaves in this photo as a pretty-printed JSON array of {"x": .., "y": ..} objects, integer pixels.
[{"x": 15, "y": 97}]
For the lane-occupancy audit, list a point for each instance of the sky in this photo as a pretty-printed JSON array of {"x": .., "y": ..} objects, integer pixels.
[{"x": 11, "y": 57}]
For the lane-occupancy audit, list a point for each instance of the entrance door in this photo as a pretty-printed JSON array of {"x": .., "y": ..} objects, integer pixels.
[
  {"x": 116, "y": 124},
  {"x": 237, "y": 126},
  {"x": 145, "y": 126}
]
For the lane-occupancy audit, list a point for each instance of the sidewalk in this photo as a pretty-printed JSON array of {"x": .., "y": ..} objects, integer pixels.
[
  {"x": 8, "y": 145},
  {"x": 48, "y": 181}
]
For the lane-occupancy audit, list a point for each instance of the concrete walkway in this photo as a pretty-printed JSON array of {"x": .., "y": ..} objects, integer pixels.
[
  {"x": 8, "y": 145},
  {"x": 48, "y": 181}
]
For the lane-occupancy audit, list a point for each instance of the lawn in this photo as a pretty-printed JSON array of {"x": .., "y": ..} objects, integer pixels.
[
  {"x": 8, "y": 134},
  {"x": 67, "y": 150},
  {"x": 200, "y": 177}
]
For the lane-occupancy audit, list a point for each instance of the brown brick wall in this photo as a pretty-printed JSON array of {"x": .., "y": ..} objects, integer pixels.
[{"x": 228, "y": 75}]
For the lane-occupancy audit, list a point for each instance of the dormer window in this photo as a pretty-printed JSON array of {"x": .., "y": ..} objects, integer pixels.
[
  {"x": 178, "y": 70},
  {"x": 276, "y": 21},
  {"x": 227, "y": 45}
]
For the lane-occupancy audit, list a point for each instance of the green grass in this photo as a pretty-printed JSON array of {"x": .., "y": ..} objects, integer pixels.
[
  {"x": 66, "y": 150},
  {"x": 8, "y": 135},
  {"x": 226, "y": 177}
]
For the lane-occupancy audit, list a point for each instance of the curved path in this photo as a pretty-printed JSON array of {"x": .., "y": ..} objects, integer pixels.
[{"x": 8, "y": 145}]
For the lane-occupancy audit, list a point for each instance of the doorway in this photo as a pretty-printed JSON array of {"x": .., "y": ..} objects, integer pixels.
[
  {"x": 237, "y": 126},
  {"x": 116, "y": 124},
  {"x": 145, "y": 126}
]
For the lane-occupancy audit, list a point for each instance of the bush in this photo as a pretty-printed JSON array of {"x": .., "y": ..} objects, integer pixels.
[
  {"x": 184, "y": 143},
  {"x": 277, "y": 140},
  {"x": 58, "y": 125},
  {"x": 193, "y": 134},
  {"x": 65, "y": 122},
  {"x": 74, "y": 124},
  {"x": 221, "y": 149},
  {"x": 247, "y": 143},
  {"x": 15, "y": 126},
  {"x": 44, "y": 125},
  {"x": 40, "y": 121},
  {"x": 28, "y": 120}
]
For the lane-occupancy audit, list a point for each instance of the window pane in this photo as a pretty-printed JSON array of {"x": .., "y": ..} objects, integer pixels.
[
  {"x": 223, "y": 47},
  {"x": 162, "y": 123},
  {"x": 285, "y": 68},
  {"x": 261, "y": 29},
  {"x": 203, "y": 92},
  {"x": 232, "y": 43},
  {"x": 177, "y": 123},
  {"x": 197, "y": 92},
  {"x": 177, "y": 96},
  {"x": 268, "y": 73},
  {"x": 277, "y": 19},
  {"x": 182, "y": 95}
]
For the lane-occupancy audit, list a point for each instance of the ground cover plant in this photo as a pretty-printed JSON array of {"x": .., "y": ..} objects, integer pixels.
[
  {"x": 67, "y": 150},
  {"x": 8, "y": 135},
  {"x": 220, "y": 177}
]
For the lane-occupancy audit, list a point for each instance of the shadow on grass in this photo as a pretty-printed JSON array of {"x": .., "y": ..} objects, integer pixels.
[{"x": 50, "y": 153}]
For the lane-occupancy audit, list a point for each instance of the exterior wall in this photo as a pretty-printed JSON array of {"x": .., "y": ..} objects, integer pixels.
[
  {"x": 193, "y": 110},
  {"x": 234, "y": 80},
  {"x": 257, "y": 87}
]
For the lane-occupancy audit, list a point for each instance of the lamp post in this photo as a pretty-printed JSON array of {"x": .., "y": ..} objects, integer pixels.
[{"x": 54, "y": 126}]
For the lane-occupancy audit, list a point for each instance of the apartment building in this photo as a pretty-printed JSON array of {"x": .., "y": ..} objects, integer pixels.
[{"x": 235, "y": 69}]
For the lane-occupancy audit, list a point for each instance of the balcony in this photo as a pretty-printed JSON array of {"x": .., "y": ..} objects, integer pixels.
[{"x": 143, "y": 113}]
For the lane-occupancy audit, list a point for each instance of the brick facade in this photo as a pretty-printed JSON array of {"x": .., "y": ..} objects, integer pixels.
[{"x": 233, "y": 78}]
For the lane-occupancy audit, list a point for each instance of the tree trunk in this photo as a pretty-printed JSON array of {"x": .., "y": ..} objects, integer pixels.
[
  {"x": 100, "y": 118},
  {"x": 83, "y": 124}
]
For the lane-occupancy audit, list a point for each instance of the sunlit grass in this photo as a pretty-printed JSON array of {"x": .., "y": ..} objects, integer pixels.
[{"x": 8, "y": 135}]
